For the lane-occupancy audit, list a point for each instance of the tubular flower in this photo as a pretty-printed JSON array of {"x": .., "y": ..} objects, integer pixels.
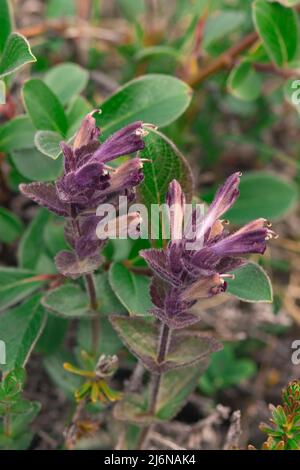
[
  {"x": 88, "y": 181},
  {"x": 186, "y": 273}
]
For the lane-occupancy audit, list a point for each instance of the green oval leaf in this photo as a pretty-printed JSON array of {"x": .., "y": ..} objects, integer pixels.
[
  {"x": 166, "y": 163},
  {"x": 262, "y": 194},
  {"x": 244, "y": 82},
  {"x": 43, "y": 107},
  {"x": 20, "y": 329},
  {"x": 220, "y": 25},
  {"x": 16, "y": 53},
  {"x": 15, "y": 285},
  {"x": 287, "y": 3},
  {"x": 31, "y": 164},
  {"x": 278, "y": 29},
  {"x": 131, "y": 289},
  {"x": 157, "y": 99},
  {"x": 6, "y": 23},
  {"x": 11, "y": 226},
  {"x": 225, "y": 371},
  {"x": 16, "y": 134},
  {"x": 141, "y": 337},
  {"x": 68, "y": 301},
  {"x": 31, "y": 246},
  {"x": 251, "y": 284}
]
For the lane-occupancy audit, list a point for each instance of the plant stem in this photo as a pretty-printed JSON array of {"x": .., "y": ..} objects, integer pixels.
[
  {"x": 91, "y": 290},
  {"x": 7, "y": 423},
  {"x": 162, "y": 351},
  {"x": 224, "y": 60},
  {"x": 69, "y": 434}
]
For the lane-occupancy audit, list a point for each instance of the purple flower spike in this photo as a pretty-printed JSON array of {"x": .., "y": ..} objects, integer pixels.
[
  {"x": 184, "y": 276},
  {"x": 86, "y": 182},
  {"x": 45, "y": 195}
]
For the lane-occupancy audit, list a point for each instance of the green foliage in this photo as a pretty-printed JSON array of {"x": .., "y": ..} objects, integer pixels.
[
  {"x": 251, "y": 284},
  {"x": 175, "y": 388},
  {"x": 277, "y": 194},
  {"x": 43, "y": 107},
  {"x": 278, "y": 29},
  {"x": 156, "y": 99},
  {"x": 226, "y": 370},
  {"x": 16, "y": 53},
  {"x": 241, "y": 58},
  {"x": 30, "y": 248},
  {"x": 6, "y": 23},
  {"x": 141, "y": 338},
  {"x": 16, "y": 412},
  {"x": 20, "y": 329},
  {"x": 11, "y": 226},
  {"x": 68, "y": 301},
  {"x": 244, "y": 82},
  {"x": 284, "y": 433},
  {"x": 16, "y": 134},
  {"x": 2, "y": 92},
  {"x": 58, "y": 9},
  {"x": 165, "y": 164},
  {"x": 131, "y": 289},
  {"x": 15, "y": 50},
  {"x": 66, "y": 81},
  {"x": 221, "y": 25}
]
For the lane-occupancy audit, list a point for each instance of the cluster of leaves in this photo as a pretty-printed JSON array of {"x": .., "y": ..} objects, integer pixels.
[
  {"x": 17, "y": 413},
  {"x": 36, "y": 303},
  {"x": 284, "y": 432},
  {"x": 14, "y": 48}
]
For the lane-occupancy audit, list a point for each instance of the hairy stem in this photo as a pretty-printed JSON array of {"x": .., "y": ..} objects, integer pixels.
[
  {"x": 162, "y": 350},
  {"x": 91, "y": 290}
]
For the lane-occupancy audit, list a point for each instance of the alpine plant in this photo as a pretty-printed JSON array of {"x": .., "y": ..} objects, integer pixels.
[{"x": 88, "y": 181}]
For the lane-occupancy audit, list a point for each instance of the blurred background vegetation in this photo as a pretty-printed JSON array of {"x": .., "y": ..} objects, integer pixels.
[{"x": 241, "y": 117}]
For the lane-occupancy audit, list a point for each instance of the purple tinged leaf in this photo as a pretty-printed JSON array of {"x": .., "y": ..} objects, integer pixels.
[
  {"x": 158, "y": 262},
  {"x": 140, "y": 336},
  {"x": 70, "y": 265},
  {"x": 69, "y": 158}
]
